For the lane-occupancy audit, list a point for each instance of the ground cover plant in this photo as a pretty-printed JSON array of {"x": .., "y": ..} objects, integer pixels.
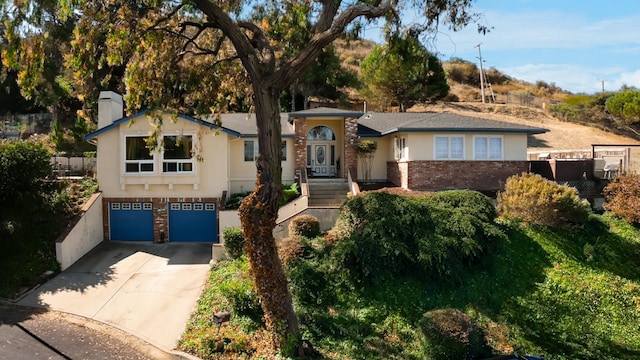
[{"x": 563, "y": 293}]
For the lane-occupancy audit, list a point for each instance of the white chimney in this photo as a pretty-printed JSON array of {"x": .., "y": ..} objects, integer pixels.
[{"x": 110, "y": 108}]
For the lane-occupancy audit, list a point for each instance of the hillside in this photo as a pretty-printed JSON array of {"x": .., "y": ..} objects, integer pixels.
[{"x": 516, "y": 101}]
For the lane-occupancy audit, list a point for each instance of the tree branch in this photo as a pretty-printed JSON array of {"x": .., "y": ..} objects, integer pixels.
[
  {"x": 252, "y": 58},
  {"x": 295, "y": 66}
]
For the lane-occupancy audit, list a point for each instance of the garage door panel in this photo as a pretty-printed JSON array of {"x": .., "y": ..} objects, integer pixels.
[
  {"x": 193, "y": 222},
  {"x": 131, "y": 221}
]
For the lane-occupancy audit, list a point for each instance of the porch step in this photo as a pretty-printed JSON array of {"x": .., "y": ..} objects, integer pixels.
[{"x": 327, "y": 192}]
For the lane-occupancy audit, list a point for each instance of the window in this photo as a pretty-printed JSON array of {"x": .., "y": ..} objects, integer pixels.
[
  {"x": 400, "y": 148},
  {"x": 177, "y": 154},
  {"x": 487, "y": 147},
  {"x": 449, "y": 148},
  {"x": 138, "y": 157},
  {"x": 250, "y": 150},
  {"x": 284, "y": 151},
  {"x": 321, "y": 133}
]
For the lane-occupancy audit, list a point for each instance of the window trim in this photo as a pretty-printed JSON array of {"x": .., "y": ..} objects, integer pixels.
[
  {"x": 488, "y": 138},
  {"x": 448, "y": 137},
  {"x": 255, "y": 150},
  {"x": 400, "y": 149},
  {"x": 141, "y": 162},
  {"x": 179, "y": 162}
]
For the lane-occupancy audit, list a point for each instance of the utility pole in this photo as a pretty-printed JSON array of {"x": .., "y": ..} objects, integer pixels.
[
  {"x": 602, "y": 85},
  {"x": 481, "y": 72}
]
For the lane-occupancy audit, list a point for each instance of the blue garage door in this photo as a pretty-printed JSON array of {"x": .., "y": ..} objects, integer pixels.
[
  {"x": 131, "y": 221},
  {"x": 193, "y": 221}
]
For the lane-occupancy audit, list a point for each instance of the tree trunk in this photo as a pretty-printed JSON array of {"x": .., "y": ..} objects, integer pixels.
[{"x": 258, "y": 215}]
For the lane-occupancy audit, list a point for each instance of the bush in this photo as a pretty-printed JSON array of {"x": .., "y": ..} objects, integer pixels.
[
  {"x": 304, "y": 225},
  {"x": 437, "y": 234},
  {"x": 237, "y": 288},
  {"x": 464, "y": 228},
  {"x": 451, "y": 334},
  {"x": 622, "y": 197},
  {"x": 233, "y": 242},
  {"x": 536, "y": 200}
]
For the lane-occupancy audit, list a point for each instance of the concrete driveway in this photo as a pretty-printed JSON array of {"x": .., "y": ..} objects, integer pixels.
[{"x": 148, "y": 290}]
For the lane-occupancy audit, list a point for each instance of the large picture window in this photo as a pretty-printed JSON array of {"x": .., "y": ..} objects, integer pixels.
[
  {"x": 449, "y": 148},
  {"x": 138, "y": 157},
  {"x": 487, "y": 147},
  {"x": 177, "y": 154}
]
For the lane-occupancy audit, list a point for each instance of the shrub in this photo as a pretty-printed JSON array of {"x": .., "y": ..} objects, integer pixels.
[
  {"x": 290, "y": 249},
  {"x": 237, "y": 288},
  {"x": 437, "y": 234},
  {"x": 304, "y": 225},
  {"x": 451, "y": 334},
  {"x": 289, "y": 192},
  {"x": 536, "y": 200},
  {"x": 233, "y": 242},
  {"x": 464, "y": 228},
  {"x": 622, "y": 197}
]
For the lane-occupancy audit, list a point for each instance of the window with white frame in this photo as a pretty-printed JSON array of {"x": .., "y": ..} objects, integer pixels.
[
  {"x": 138, "y": 157},
  {"x": 177, "y": 156},
  {"x": 449, "y": 148},
  {"x": 487, "y": 147},
  {"x": 250, "y": 150},
  {"x": 400, "y": 148}
]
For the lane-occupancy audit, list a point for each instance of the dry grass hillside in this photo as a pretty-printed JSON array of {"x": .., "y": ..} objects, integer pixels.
[{"x": 515, "y": 101}]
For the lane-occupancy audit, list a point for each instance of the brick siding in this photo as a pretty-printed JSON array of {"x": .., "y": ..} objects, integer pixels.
[{"x": 445, "y": 175}]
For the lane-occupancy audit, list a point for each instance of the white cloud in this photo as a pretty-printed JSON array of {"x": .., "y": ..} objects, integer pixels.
[{"x": 575, "y": 78}]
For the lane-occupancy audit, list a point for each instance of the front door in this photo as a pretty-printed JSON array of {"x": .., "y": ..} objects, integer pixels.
[{"x": 319, "y": 160}]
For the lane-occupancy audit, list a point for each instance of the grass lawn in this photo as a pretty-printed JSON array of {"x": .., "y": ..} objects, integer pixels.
[{"x": 562, "y": 294}]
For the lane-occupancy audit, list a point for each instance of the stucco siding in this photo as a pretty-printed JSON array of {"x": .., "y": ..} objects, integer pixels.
[{"x": 209, "y": 178}]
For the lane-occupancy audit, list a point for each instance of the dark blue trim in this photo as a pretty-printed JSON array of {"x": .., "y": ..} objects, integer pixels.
[{"x": 115, "y": 124}]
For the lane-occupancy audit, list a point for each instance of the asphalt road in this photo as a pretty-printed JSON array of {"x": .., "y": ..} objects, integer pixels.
[{"x": 34, "y": 334}]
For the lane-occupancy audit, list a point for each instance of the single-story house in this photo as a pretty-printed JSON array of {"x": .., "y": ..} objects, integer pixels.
[{"x": 175, "y": 193}]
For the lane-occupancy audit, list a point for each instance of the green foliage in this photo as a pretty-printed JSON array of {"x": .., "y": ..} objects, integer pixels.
[
  {"x": 464, "y": 230},
  {"x": 304, "y": 225},
  {"x": 623, "y": 197},
  {"x": 234, "y": 200},
  {"x": 451, "y": 334},
  {"x": 237, "y": 288},
  {"x": 401, "y": 73},
  {"x": 536, "y": 200},
  {"x": 440, "y": 235},
  {"x": 289, "y": 192},
  {"x": 625, "y": 104},
  {"x": 558, "y": 293},
  {"x": 233, "y": 242},
  {"x": 32, "y": 211}
]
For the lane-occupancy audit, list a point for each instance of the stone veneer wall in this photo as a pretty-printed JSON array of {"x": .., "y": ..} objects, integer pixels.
[
  {"x": 350, "y": 150},
  {"x": 160, "y": 212},
  {"x": 444, "y": 175}
]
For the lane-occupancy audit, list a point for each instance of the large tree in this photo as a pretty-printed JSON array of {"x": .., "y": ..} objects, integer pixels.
[
  {"x": 402, "y": 72},
  {"x": 205, "y": 56}
]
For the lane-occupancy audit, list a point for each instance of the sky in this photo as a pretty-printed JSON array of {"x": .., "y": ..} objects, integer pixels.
[{"x": 579, "y": 46}]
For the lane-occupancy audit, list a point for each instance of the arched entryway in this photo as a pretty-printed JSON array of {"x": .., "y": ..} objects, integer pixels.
[{"x": 321, "y": 151}]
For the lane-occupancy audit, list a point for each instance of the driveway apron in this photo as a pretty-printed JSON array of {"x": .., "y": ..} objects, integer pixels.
[{"x": 146, "y": 289}]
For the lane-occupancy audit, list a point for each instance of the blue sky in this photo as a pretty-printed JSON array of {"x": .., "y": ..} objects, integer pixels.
[{"x": 574, "y": 44}]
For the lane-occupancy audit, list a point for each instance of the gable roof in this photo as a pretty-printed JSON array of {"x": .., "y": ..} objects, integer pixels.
[
  {"x": 245, "y": 124},
  {"x": 380, "y": 124},
  {"x": 235, "y": 124},
  {"x": 325, "y": 112}
]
